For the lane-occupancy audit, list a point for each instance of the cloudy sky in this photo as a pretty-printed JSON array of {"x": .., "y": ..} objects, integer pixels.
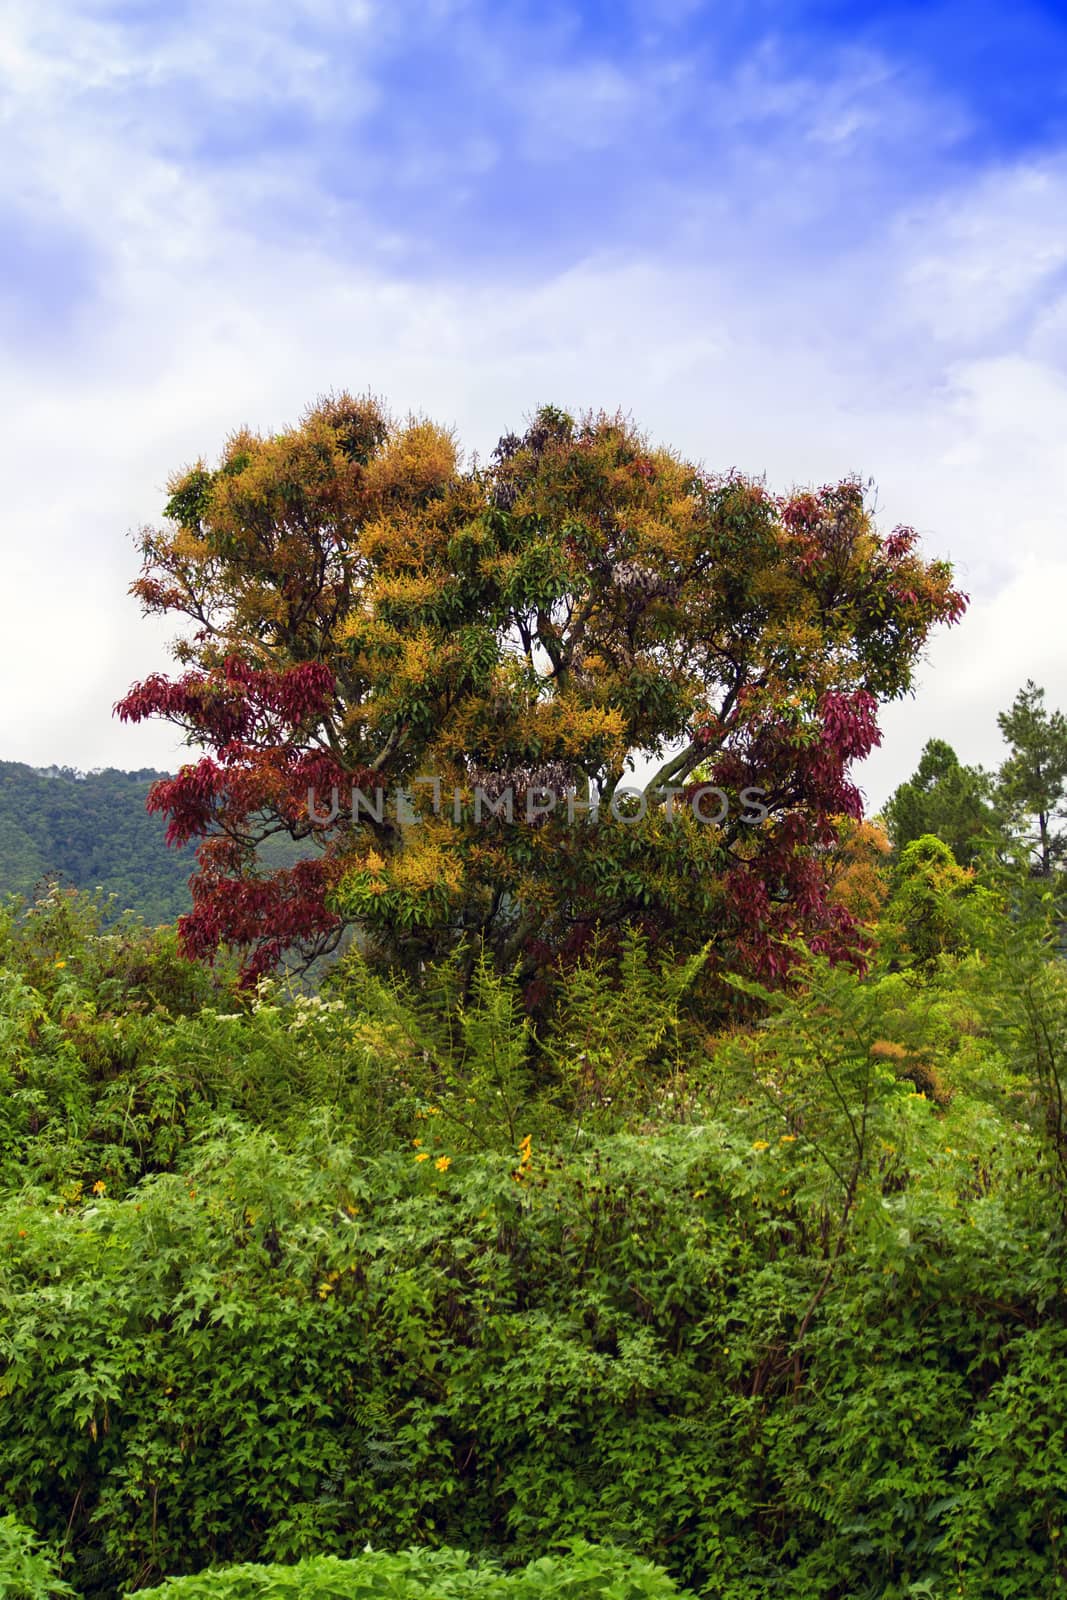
[{"x": 800, "y": 239}]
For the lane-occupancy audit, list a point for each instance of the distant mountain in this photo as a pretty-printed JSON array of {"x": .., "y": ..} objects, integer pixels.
[{"x": 92, "y": 830}]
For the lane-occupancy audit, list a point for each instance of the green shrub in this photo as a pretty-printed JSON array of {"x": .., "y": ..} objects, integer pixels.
[
  {"x": 26, "y": 1571},
  {"x": 281, "y": 1277},
  {"x": 584, "y": 1573}
]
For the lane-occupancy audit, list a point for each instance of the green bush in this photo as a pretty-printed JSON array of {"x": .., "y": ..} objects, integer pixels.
[
  {"x": 285, "y": 1276},
  {"x": 584, "y": 1573},
  {"x": 26, "y": 1571},
  {"x": 277, "y": 1352}
]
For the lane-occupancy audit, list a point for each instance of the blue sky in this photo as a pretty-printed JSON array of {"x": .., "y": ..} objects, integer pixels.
[{"x": 802, "y": 239}]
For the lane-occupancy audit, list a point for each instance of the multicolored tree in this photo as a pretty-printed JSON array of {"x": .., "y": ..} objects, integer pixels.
[{"x": 368, "y": 611}]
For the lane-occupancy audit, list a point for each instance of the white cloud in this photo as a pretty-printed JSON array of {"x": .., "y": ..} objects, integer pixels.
[
  {"x": 974, "y": 671},
  {"x": 927, "y": 351},
  {"x": 981, "y": 258}
]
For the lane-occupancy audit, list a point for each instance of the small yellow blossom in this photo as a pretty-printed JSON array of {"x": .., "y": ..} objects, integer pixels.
[
  {"x": 99, "y": 1186},
  {"x": 761, "y": 1144},
  {"x": 443, "y": 1163},
  {"x": 788, "y": 1138},
  {"x": 60, "y": 963},
  {"x": 423, "y": 1155},
  {"x": 525, "y": 1157},
  {"x": 416, "y": 1143}
]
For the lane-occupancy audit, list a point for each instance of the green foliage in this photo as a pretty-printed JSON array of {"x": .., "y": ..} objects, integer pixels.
[
  {"x": 781, "y": 1313},
  {"x": 619, "y": 1033},
  {"x": 1018, "y": 987},
  {"x": 1032, "y": 782},
  {"x": 924, "y": 916},
  {"x": 26, "y": 1571},
  {"x": 460, "y": 1036},
  {"x": 1017, "y": 811},
  {"x": 90, "y": 830},
  {"x": 943, "y": 798},
  {"x": 584, "y": 1573}
]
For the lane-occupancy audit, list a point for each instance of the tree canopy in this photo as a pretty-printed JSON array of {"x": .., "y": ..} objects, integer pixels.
[
  {"x": 944, "y": 798},
  {"x": 1033, "y": 778},
  {"x": 368, "y": 610},
  {"x": 1019, "y": 809}
]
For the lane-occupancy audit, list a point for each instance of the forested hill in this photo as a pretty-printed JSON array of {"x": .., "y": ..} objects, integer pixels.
[{"x": 92, "y": 830}]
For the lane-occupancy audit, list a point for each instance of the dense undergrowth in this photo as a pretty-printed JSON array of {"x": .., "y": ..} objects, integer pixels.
[{"x": 780, "y": 1311}]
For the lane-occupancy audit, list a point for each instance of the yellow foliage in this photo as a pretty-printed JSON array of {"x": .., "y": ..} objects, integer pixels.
[
  {"x": 426, "y": 866},
  {"x": 416, "y": 463},
  {"x": 857, "y": 869}
]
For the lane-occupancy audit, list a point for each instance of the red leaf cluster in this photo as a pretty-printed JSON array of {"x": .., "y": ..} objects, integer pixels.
[
  {"x": 265, "y": 916},
  {"x": 234, "y": 703}
]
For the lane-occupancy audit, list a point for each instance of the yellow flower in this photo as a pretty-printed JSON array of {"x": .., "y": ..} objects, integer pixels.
[
  {"x": 761, "y": 1144},
  {"x": 525, "y": 1158},
  {"x": 99, "y": 1186},
  {"x": 443, "y": 1163},
  {"x": 324, "y": 1290},
  {"x": 788, "y": 1138},
  {"x": 416, "y": 1143},
  {"x": 422, "y": 1156},
  {"x": 60, "y": 963}
]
